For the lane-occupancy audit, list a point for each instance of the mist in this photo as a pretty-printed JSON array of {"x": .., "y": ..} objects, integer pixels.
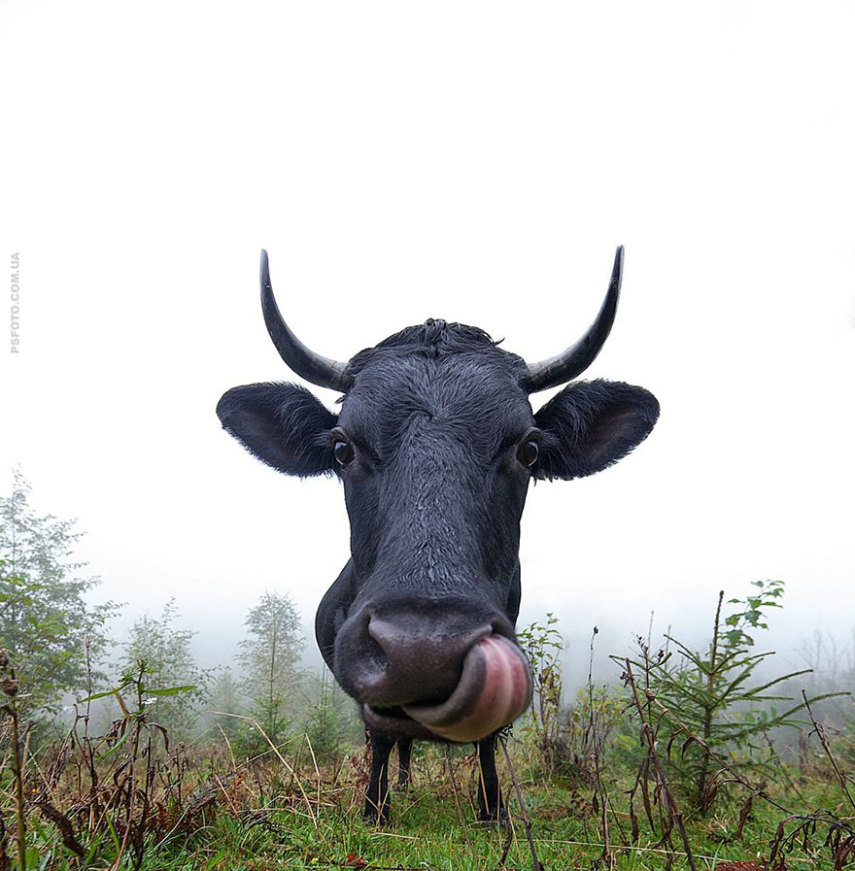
[{"x": 471, "y": 163}]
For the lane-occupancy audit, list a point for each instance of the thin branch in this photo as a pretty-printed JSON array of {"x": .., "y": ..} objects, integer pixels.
[{"x": 526, "y": 822}]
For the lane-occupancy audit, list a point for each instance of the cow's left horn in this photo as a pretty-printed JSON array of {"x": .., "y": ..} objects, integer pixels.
[
  {"x": 577, "y": 358},
  {"x": 305, "y": 362}
]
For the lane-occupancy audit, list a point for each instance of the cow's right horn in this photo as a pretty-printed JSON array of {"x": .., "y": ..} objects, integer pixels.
[{"x": 302, "y": 360}]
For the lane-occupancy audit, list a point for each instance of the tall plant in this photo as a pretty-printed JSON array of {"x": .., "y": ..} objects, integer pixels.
[
  {"x": 706, "y": 701},
  {"x": 543, "y": 645}
]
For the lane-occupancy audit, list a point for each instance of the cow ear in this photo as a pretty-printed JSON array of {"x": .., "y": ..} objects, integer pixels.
[
  {"x": 284, "y": 425},
  {"x": 590, "y": 425}
]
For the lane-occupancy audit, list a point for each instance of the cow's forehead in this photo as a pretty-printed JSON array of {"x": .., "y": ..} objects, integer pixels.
[{"x": 449, "y": 387}]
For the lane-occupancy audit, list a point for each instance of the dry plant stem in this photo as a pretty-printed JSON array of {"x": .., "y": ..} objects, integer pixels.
[
  {"x": 840, "y": 838},
  {"x": 315, "y": 766},
  {"x": 506, "y": 847},
  {"x": 607, "y": 856},
  {"x": 19, "y": 787},
  {"x": 708, "y": 711},
  {"x": 456, "y": 794},
  {"x": 282, "y": 759},
  {"x": 673, "y": 809},
  {"x": 823, "y": 739},
  {"x": 10, "y": 688},
  {"x": 591, "y": 728},
  {"x": 526, "y": 822},
  {"x": 132, "y": 788},
  {"x": 5, "y": 861}
]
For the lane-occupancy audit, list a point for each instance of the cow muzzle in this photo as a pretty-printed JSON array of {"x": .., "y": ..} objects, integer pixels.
[
  {"x": 435, "y": 681},
  {"x": 494, "y": 689}
]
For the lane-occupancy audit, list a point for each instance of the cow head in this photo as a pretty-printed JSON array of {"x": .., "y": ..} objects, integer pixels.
[{"x": 436, "y": 443}]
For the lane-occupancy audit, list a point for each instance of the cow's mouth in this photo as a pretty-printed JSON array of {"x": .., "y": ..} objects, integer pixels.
[{"x": 493, "y": 690}]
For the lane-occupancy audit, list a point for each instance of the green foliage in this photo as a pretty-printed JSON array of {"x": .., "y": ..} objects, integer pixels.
[
  {"x": 571, "y": 741},
  {"x": 543, "y": 645},
  {"x": 226, "y": 703},
  {"x": 131, "y": 797},
  {"x": 129, "y": 779},
  {"x": 705, "y": 702},
  {"x": 269, "y": 657},
  {"x": 588, "y": 739},
  {"x": 331, "y": 723},
  {"x": 272, "y": 813},
  {"x": 47, "y": 625},
  {"x": 161, "y": 655}
]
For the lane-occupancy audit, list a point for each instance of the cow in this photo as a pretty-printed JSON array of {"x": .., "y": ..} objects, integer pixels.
[{"x": 436, "y": 443}]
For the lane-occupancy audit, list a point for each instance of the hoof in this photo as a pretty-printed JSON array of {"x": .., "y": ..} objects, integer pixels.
[
  {"x": 492, "y": 823},
  {"x": 376, "y": 817},
  {"x": 489, "y": 819}
]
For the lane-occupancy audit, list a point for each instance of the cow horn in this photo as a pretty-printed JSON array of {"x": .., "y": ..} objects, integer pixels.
[
  {"x": 577, "y": 358},
  {"x": 305, "y": 362}
]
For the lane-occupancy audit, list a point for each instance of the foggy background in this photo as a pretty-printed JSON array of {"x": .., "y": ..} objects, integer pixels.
[{"x": 476, "y": 162}]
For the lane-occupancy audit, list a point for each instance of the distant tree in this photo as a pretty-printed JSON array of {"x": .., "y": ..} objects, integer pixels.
[
  {"x": 46, "y": 625},
  {"x": 269, "y": 657},
  {"x": 226, "y": 700},
  {"x": 330, "y": 720},
  {"x": 163, "y": 652}
]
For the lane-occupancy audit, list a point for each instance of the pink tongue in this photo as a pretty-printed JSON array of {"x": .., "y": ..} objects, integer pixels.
[{"x": 494, "y": 689}]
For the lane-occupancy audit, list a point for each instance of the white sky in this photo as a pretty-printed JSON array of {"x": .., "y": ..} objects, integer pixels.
[{"x": 478, "y": 162}]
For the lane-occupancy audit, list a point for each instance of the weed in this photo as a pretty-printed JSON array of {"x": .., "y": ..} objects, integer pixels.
[
  {"x": 543, "y": 646},
  {"x": 131, "y": 797},
  {"x": 706, "y": 703},
  {"x": 9, "y": 685}
]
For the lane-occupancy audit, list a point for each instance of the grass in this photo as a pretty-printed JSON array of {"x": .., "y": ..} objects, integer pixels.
[
  {"x": 610, "y": 782},
  {"x": 280, "y": 813}
]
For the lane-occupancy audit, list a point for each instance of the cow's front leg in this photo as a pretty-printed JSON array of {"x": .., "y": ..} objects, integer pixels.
[
  {"x": 377, "y": 794},
  {"x": 405, "y": 750},
  {"x": 490, "y": 806}
]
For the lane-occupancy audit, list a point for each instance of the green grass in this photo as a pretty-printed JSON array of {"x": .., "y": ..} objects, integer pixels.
[{"x": 270, "y": 816}]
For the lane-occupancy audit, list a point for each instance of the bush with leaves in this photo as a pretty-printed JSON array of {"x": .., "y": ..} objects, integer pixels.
[
  {"x": 542, "y": 645},
  {"x": 570, "y": 741},
  {"x": 332, "y": 723},
  {"x": 704, "y": 704},
  {"x": 48, "y": 627},
  {"x": 164, "y": 653},
  {"x": 125, "y": 789}
]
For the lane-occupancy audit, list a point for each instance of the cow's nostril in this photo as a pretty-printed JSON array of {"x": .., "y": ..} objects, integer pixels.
[
  {"x": 386, "y": 635},
  {"x": 424, "y": 644},
  {"x": 404, "y": 658}
]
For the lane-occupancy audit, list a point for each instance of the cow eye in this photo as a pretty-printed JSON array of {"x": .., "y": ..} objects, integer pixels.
[
  {"x": 527, "y": 452},
  {"x": 343, "y": 452}
]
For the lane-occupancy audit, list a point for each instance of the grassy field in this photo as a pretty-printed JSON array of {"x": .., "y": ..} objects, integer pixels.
[
  {"x": 201, "y": 808},
  {"x": 694, "y": 761}
]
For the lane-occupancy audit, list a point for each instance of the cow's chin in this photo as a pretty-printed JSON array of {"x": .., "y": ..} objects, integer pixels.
[{"x": 494, "y": 689}]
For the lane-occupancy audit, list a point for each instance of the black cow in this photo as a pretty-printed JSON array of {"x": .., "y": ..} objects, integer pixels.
[{"x": 436, "y": 443}]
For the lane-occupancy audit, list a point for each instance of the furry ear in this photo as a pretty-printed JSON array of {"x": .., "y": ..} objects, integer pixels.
[
  {"x": 284, "y": 425},
  {"x": 591, "y": 425}
]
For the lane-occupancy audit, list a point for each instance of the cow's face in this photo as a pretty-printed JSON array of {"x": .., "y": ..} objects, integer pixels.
[{"x": 436, "y": 443}]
